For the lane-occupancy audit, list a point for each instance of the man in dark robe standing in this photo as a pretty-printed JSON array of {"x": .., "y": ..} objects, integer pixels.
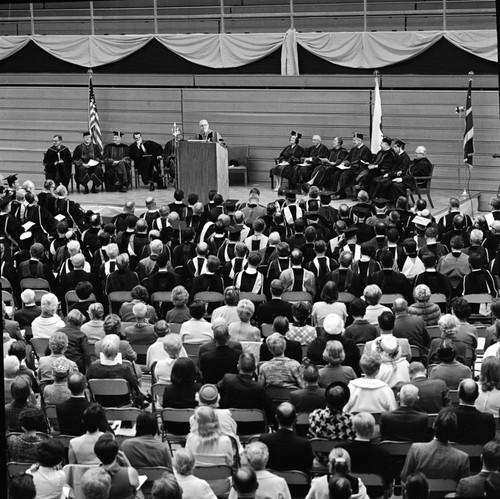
[{"x": 57, "y": 162}]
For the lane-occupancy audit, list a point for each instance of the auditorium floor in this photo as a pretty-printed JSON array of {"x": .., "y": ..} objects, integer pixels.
[{"x": 111, "y": 203}]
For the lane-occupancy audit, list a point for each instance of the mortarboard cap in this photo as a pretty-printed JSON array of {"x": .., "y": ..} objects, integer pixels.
[
  {"x": 86, "y": 134},
  {"x": 361, "y": 211},
  {"x": 118, "y": 134},
  {"x": 293, "y": 133},
  {"x": 357, "y": 135},
  {"x": 290, "y": 193},
  {"x": 234, "y": 229},
  {"x": 380, "y": 201},
  {"x": 230, "y": 204},
  {"x": 419, "y": 220},
  {"x": 25, "y": 236},
  {"x": 11, "y": 179}
]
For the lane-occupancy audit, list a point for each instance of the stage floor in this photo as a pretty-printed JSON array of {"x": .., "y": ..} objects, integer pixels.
[{"x": 111, "y": 203}]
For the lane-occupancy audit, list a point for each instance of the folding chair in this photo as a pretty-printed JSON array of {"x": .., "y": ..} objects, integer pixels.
[
  {"x": 345, "y": 297},
  {"x": 387, "y": 299},
  {"x": 175, "y": 425},
  {"x": 159, "y": 299},
  {"x": 157, "y": 393},
  {"x": 51, "y": 415},
  {"x": 5, "y": 284},
  {"x": 40, "y": 346},
  {"x": 322, "y": 446},
  {"x": 302, "y": 424},
  {"x": 192, "y": 350},
  {"x": 249, "y": 422},
  {"x": 141, "y": 351},
  {"x": 118, "y": 415},
  {"x": 440, "y": 299},
  {"x": 153, "y": 473},
  {"x": 34, "y": 283},
  {"x": 440, "y": 487},
  {"x": 74, "y": 473},
  {"x": 480, "y": 299},
  {"x": 298, "y": 482},
  {"x": 434, "y": 332},
  {"x": 101, "y": 389},
  {"x": 252, "y": 347},
  {"x": 416, "y": 354},
  {"x": 116, "y": 299},
  {"x": 15, "y": 468},
  {"x": 267, "y": 330},
  {"x": 174, "y": 327},
  {"x": 212, "y": 300},
  {"x": 70, "y": 298},
  {"x": 65, "y": 440},
  {"x": 8, "y": 299},
  {"x": 375, "y": 480},
  {"x": 255, "y": 298},
  {"x": 217, "y": 477}
]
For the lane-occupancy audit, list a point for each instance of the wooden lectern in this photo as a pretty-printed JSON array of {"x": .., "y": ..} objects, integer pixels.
[{"x": 202, "y": 166}]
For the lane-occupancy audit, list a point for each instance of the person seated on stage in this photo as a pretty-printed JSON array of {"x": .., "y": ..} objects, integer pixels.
[
  {"x": 288, "y": 158},
  {"x": 57, "y": 162},
  {"x": 359, "y": 156},
  {"x": 147, "y": 155},
  {"x": 326, "y": 174},
  {"x": 310, "y": 160},
  {"x": 118, "y": 165},
  {"x": 87, "y": 158},
  {"x": 382, "y": 164}
]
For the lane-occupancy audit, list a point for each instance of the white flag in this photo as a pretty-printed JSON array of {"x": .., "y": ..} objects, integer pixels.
[{"x": 377, "y": 134}]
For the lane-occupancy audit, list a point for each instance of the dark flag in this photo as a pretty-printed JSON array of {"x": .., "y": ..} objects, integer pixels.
[
  {"x": 94, "y": 127},
  {"x": 469, "y": 129}
]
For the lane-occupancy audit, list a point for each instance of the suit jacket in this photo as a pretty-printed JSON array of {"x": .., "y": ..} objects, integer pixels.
[
  {"x": 216, "y": 363},
  {"x": 287, "y": 451},
  {"x": 267, "y": 312},
  {"x": 404, "y": 424},
  {"x": 433, "y": 395},
  {"x": 361, "y": 331},
  {"x": 474, "y": 427},
  {"x": 241, "y": 391},
  {"x": 413, "y": 329},
  {"x": 390, "y": 281},
  {"x": 309, "y": 398},
  {"x": 25, "y": 316},
  {"x": 473, "y": 486},
  {"x": 293, "y": 351},
  {"x": 352, "y": 355},
  {"x": 69, "y": 415},
  {"x": 71, "y": 279}
]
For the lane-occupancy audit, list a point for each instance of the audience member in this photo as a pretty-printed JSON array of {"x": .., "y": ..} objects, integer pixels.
[
  {"x": 449, "y": 370},
  {"x": 191, "y": 485},
  {"x": 360, "y": 331},
  {"x": 311, "y": 396},
  {"x": 433, "y": 394},
  {"x": 334, "y": 356}
]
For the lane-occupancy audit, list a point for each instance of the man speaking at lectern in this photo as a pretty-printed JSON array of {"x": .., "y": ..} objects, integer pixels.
[{"x": 209, "y": 135}]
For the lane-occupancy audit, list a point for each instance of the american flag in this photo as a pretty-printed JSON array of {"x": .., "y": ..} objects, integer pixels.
[
  {"x": 469, "y": 128},
  {"x": 94, "y": 127}
]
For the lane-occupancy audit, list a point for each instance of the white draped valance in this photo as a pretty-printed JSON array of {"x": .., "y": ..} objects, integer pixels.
[{"x": 360, "y": 50}]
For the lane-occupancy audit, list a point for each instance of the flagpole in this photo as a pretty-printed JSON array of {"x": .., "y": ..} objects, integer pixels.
[
  {"x": 468, "y": 135},
  {"x": 90, "y": 73}
]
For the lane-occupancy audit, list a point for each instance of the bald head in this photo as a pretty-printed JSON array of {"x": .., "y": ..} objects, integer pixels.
[
  {"x": 286, "y": 415},
  {"x": 246, "y": 363},
  {"x": 400, "y": 305},
  {"x": 468, "y": 391}
]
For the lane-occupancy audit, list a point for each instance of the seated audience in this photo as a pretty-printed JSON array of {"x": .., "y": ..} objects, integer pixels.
[
  {"x": 48, "y": 477},
  {"x": 242, "y": 329},
  {"x": 370, "y": 394},
  {"x": 23, "y": 447},
  {"x": 339, "y": 465},
  {"x": 449, "y": 370},
  {"x": 181, "y": 392},
  {"x": 180, "y": 313},
  {"x": 473, "y": 486},
  {"x": 196, "y": 329},
  {"x": 394, "y": 368},
  {"x": 94, "y": 328},
  {"x": 280, "y": 371},
  {"x": 437, "y": 458},
  {"x": 287, "y": 451},
  {"x": 334, "y": 356},
  {"x": 405, "y": 423},
  {"x": 299, "y": 330},
  {"x": 139, "y": 295},
  {"x": 11, "y": 371},
  {"x": 416, "y": 486},
  {"x": 192, "y": 486},
  {"x": 489, "y": 386},
  {"x": 124, "y": 478},
  {"x": 466, "y": 332},
  {"x": 22, "y": 487},
  {"x": 430, "y": 312},
  {"x": 473, "y": 426},
  {"x": 58, "y": 391},
  {"x": 329, "y": 304},
  {"x": 172, "y": 345},
  {"x": 360, "y": 331},
  {"x": 245, "y": 483},
  {"x": 21, "y": 393},
  {"x": 293, "y": 350},
  {"x": 372, "y": 295},
  {"x": 448, "y": 324},
  {"x": 311, "y": 396},
  {"x": 81, "y": 449},
  {"x": 48, "y": 321},
  {"x": 433, "y": 394},
  {"x": 112, "y": 325},
  {"x": 142, "y": 332},
  {"x": 96, "y": 484},
  {"x": 271, "y": 486},
  {"x": 145, "y": 449},
  {"x": 156, "y": 351},
  {"x": 228, "y": 311}
]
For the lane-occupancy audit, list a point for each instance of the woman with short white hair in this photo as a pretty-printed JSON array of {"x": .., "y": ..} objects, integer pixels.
[
  {"x": 94, "y": 328},
  {"x": 48, "y": 322},
  {"x": 191, "y": 485},
  {"x": 243, "y": 329},
  {"x": 172, "y": 344}
]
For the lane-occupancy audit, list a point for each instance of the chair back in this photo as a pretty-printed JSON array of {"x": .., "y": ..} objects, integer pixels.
[
  {"x": 239, "y": 153},
  {"x": 116, "y": 299},
  {"x": 39, "y": 293},
  {"x": 8, "y": 299},
  {"x": 394, "y": 448},
  {"x": 298, "y": 482},
  {"x": 40, "y": 346},
  {"x": 302, "y": 424},
  {"x": 157, "y": 393},
  {"x": 5, "y": 284},
  {"x": 267, "y": 330},
  {"x": 176, "y": 421},
  {"x": 141, "y": 350},
  {"x": 217, "y": 476},
  {"x": 34, "y": 283},
  {"x": 209, "y": 297},
  {"x": 252, "y": 347},
  {"x": 175, "y": 327},
  {"x": 387, "y": 299},
  {"x": 128, "y": 414},
  {"x": 345, "y": 297},
  {"x": 434, "y": 332},
  {"x": 255, "y": 298},
  {"x": 324, "y": 444},
  {"x": 192, "y": 350},
  {"x": 74, "y": 473},
  {"x": 152, "y": 473},
  {"x": 249, "y": 421},
  {"x": 454, "y": 397},
  {"x": 296, "y": 296},
  {"x": 71, "y": 297},
  {"x": 108, "y": 387},
  {"x": 15, "y": 468},
  {"x": 439, "y": 487},
  {"x": 416, "y": 354}
]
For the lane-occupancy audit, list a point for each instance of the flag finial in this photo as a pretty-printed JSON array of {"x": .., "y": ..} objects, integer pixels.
[
  {"x": 90, "y": 73},
  {"x": 471, "y": 73}
]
